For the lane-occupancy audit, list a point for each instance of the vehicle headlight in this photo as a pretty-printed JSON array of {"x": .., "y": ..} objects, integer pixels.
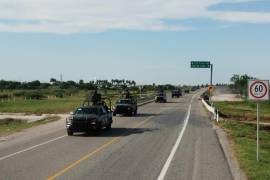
[{"x": 69, "y": 120}]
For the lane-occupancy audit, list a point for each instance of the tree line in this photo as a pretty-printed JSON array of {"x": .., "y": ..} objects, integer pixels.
[
  {"x": 240, "y": 83},
  {"x": 55, "y": 88},
  {"x": 114, "y": 83}
]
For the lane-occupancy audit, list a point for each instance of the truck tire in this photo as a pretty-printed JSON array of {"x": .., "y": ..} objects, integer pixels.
[
  {"x": 109, "y": 127},
  {"x": 135, "y": 112},
  {"x": 98, "y": 127},
  {"x": 70, "y": 132}
]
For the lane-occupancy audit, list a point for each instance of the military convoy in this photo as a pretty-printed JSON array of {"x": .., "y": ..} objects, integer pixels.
[{"x": 95, "y": 114}]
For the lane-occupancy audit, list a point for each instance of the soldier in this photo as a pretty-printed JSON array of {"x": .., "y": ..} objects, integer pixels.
[
  {"x": 128, "y": 96},
  {"x": 103, "y": 103},
  {"x": 96, "y": 98}
]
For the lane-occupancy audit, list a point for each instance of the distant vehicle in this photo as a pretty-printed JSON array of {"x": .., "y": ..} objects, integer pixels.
[
  {"x": 85, "y": 119},
  {"x": 194, "y": 88},
  {"x": 187, "y": 91},
  {"x": 160, "y": 98},
  {"x": 126, "y": 107},
  {"x": 177, "y": 93}
]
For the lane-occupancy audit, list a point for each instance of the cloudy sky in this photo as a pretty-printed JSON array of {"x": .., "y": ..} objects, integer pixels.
[{"x": 145, "y": 40}]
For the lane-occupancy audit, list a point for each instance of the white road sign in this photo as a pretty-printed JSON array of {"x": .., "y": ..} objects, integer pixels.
[{"x": 258, "y": 90}]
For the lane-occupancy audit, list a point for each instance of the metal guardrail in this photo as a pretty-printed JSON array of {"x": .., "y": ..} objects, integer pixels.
[
  {"x": 146, "y": 102},
  {"x": 212, "y": 110}
]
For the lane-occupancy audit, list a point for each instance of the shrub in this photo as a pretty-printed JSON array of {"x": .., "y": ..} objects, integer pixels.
[
  {"x": 4, "y": 96},
  {"x": 59, "y": 93},
  {"x": 34, "y": 95},
  {"x": 19, "y": 93}
]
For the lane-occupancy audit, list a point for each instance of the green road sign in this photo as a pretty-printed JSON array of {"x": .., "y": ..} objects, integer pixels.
[{"x": 200, "y": 64}]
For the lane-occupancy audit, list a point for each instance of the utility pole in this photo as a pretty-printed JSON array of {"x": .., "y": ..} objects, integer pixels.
[
  {"x": 211, "y": 78},
  {"x": 211, "y": 82}
]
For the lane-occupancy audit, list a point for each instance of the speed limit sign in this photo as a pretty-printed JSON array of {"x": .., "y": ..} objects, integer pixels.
[{"x": 258, "y": 90}]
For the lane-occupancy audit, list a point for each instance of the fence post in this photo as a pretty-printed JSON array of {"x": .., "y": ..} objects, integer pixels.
[{"x": 217, "y": 116}]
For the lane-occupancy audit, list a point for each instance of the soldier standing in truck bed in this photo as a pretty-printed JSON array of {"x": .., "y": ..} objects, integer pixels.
[
  {"x": 128, "y": 96},
  {"x": 96, "y": 98}
]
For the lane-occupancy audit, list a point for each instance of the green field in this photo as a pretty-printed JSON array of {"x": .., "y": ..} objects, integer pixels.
[
  {"x": 54, "y": 105},
  {"x": 41, "y": 106},
  {"x": 245, "y": 110},
  {"x": 244, "y": 143}
]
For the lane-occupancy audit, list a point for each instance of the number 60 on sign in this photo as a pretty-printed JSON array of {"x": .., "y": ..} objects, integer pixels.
[{"x": 258, "y": 90}]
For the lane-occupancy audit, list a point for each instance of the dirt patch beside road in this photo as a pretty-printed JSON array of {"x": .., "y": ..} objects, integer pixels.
[
  {"x": 225, "y": 94},
  {"x": 28, "y": 118},
  {"x": 227, "y": 97}
]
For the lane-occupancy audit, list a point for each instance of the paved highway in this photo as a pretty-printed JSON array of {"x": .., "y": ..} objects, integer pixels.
[{"x": 164, "y": 142}]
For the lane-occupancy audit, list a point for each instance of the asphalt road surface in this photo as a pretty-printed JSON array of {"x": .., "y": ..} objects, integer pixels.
[{"x": 165, "y": 141}]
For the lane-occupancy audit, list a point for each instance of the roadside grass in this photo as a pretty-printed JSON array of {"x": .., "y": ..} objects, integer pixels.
[
  {"x": 9, "y": 126},
  {"x": 243, "y": 137},
  {"x": 245, "y": 110},
  {"x": 57, "y": 105}
]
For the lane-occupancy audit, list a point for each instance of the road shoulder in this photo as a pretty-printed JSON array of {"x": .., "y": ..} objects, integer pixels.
[{"x": 228, "y": 151}]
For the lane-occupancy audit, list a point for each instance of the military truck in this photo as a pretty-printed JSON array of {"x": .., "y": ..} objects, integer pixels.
[
  {"x": 126, "y": 107},
  {"x": 187, "y": 91},
  {"x": 85, "y": 119},
  {"x": 94, "y": 114},
  {"x": 177, "y": 93},
  {"x": 160, "y": 97},
  {"x": 194, "y": 88}
]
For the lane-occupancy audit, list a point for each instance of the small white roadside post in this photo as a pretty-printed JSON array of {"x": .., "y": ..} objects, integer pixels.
[
  {"x": 258, "y": 90},
  {"x": 141, "y": 87}
]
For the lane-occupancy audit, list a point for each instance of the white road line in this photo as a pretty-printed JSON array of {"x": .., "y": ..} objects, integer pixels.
[
  {"x": 31, "y": 148},
  {"x": 176, "y": 145}
]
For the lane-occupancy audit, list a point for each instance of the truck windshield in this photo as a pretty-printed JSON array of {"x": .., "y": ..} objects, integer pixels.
[
  {"x": 125, "y": 101},
  {"x": 92, "y": 110}
]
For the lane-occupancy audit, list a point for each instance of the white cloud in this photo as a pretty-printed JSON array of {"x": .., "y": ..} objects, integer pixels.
[
  {"x": 71, "y": 16},
  {"x": 242, "y": 17}
]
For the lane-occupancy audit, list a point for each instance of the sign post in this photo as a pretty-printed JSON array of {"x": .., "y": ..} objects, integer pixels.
[
  {"x": 205, "y": 64},
  {"x": 258, "y": 90},
  {"x": 211, "y": 78}
]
